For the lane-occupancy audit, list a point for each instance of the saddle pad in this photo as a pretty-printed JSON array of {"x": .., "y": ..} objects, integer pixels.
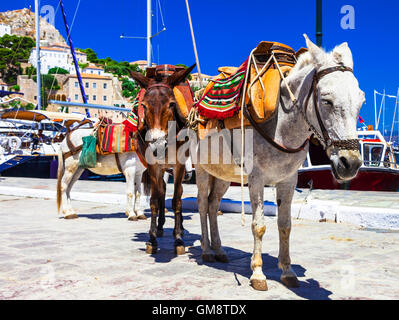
[
  {"x": 263, "y": 102},
  {"x": 114, "y": 138},
  {"x": 221, "y": 96}
]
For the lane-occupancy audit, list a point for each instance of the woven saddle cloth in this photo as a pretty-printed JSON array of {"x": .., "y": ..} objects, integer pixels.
[{"x": 221, "y": 100}]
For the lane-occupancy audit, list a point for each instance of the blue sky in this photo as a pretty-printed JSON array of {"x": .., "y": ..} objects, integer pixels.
[{"x": 227, "y": 30}]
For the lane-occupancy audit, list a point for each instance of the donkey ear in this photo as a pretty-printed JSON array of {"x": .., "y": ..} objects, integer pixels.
[
  {"x": 179, "y": 76},
  {"x": 318, "y": 55},
  {"x": 141, "y": 79},
  {"x": 343, "y": 55}
]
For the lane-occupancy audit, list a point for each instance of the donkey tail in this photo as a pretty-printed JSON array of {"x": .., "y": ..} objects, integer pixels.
[
  {"x": 60, "y": 173},
  {"x": 146, "y": 183}
]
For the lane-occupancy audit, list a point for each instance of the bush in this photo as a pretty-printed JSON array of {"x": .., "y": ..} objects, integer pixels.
[{"x": 58, "y": 70}]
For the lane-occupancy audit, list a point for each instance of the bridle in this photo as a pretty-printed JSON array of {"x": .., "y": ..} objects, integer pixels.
[
  {"x": 349, "y": 144},
  {"x": 324, "y": 137},
  {"x": 175, "y": 115}
]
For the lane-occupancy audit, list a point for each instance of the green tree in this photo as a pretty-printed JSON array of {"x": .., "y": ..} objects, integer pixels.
[
  {"x": 130, "y": 89},
  {"x": 58, "y": 70},
  {"x": 13, "y": 50},
  {"x": 49, "y": 82},
  {"x": 91, "y": 55}
]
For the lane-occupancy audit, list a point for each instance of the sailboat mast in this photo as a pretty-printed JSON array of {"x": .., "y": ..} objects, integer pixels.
[
  {"x": 38, "y": 63},
  {"x": 149, "y": 34}
]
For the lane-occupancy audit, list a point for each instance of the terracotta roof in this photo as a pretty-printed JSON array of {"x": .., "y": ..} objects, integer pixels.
[
  {"x": 91, "y": 76},
  {"x": 52, "y": 49},
  {"x": 94, "y": 67}
]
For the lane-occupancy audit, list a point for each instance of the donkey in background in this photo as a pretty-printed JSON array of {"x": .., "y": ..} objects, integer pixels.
[{"x": 69, "y": 172}]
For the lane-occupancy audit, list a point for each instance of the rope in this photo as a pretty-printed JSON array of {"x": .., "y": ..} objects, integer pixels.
[{"x": 242, "y": 138}]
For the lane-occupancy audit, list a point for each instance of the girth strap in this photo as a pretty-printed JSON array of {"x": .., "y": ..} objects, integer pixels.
[
  {"x": 270, "y": 139},
  {"x": 118, "y": 163}
]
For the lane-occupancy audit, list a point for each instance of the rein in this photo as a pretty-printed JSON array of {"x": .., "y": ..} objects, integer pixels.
[{"x": 349, "y": 144}]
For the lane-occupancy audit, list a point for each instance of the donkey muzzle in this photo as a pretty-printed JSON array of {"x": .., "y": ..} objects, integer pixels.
[{"x": 345, "y": 164}]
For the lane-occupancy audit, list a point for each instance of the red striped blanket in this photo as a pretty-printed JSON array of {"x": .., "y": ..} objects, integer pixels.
[
  {"x": 221, "y": 97},
  {"x": 115, "y": 138}
]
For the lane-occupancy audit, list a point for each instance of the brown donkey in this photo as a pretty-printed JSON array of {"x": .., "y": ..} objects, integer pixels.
[{"x": 160, "y": 108}]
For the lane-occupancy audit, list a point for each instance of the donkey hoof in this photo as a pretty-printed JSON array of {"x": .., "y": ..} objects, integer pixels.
[
  {"x": 132, "y": 218},
  {"x": 141, "y": 217},
  {"x": 219, "y": 213},
  {"x": 222, "y": 258},
  {"x": 179, "y": 250},
  {"x": 71, "y": 216},
  {"x": 208, "y": 257},
  {"x": 259, "y": 284},
  {"x": 290, "y": 282},
  {"x": 150, "y": 249},
  {"x": 160, "y": 233}
]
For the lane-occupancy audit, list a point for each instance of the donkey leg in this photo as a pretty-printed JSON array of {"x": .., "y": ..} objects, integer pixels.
[
  {"x": 218, "y": 190},
  {"x": 258, "y": 279},
  {"x": 285, "y": 192},
  {"x": 152, "y": 244},
  {"x": 178, "y": 231},
  {"x": 130, "y": 173},
  {"x": 137, "y": 187},
  {"x": 203, "y": 180},
  {"x": 161, "y": 206},
  {"x": 71, "y": 174}
]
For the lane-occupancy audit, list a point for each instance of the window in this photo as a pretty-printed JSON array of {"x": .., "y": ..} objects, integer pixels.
[
  {"x": 105, "y": 86},
  {"x": 94, "y": 97},
  {"x": 94, "y": 85},
  {"x": 76, "y": 97},
  {"x": 86, "y": 84},
  {"x": 105, "y": 98},
  {"x": 99, "y": 72},
  {"x": 76, "y": 84},
  {"x": 87, "y": 97},
  {"x": 372, "y": 154}
]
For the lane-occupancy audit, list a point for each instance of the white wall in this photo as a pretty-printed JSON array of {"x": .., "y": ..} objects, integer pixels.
[{"x": 4, "y": 29}]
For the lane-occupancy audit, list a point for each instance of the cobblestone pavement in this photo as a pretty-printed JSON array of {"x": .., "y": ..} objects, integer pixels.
[{"x": 101, "y": 256}]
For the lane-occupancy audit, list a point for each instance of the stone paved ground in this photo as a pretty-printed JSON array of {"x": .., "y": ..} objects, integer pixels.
[{"x": 101, "y": 256}]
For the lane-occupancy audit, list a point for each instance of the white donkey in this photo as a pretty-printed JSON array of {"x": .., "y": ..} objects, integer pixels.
[
  {"x": 331, "y": 115},
  {"x": 69, "y": 172}
]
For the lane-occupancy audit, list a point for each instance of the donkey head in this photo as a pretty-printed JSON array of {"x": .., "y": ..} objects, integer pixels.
[
  {"x": 160, "y": 106},
  {"x": 339, "y": 99}
]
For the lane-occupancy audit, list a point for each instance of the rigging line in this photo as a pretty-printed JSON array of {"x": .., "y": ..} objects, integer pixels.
[
  {"x": 160, "y": 11},
  {"x": 393, "y": 121},
  {"x": 379, "y": 113},
  {"x": 74, "y": 16}
]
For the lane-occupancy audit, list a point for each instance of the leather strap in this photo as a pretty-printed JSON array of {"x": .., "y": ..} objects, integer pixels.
[
  {"x": 68, "y": 154},
  {"x": 269, "y": 139},
  {"x": 118, "y": 162}
]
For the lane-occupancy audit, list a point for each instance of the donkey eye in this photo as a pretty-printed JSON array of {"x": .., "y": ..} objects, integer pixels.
[
  {"x": 144, "y": 106},
  {"x": 327, "y": 103},
  {"x": 172, "y": 105}
]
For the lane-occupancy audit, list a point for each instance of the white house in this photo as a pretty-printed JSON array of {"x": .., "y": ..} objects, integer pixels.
[
  {"x": 92, "y": 69},
  {"x": 4, "y": 29},
  {"x": 58, "y": 55}
]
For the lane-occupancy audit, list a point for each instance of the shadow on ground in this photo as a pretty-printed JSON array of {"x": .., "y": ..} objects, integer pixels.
[
  {"x": 166, "y": 251},
  {"x": 100, "y": 216},
  {"x": 239, "y": 263}
]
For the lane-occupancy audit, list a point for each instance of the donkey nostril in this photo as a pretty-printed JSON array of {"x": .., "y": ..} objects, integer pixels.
[{"x": 345, "y": 162}]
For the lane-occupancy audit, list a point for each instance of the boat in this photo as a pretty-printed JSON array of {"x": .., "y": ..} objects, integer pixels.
[
  {"x": 30, "y": 140},
  {"x": 379, "y": 171}
]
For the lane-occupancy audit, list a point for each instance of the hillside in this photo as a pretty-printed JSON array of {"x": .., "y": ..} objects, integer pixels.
[{"x": 22, "y": 23}]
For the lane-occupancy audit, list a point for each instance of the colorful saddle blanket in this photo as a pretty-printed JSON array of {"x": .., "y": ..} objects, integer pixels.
[
  {"x": 221, "y": 97},
  {"x": 115, "y": 138}
]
